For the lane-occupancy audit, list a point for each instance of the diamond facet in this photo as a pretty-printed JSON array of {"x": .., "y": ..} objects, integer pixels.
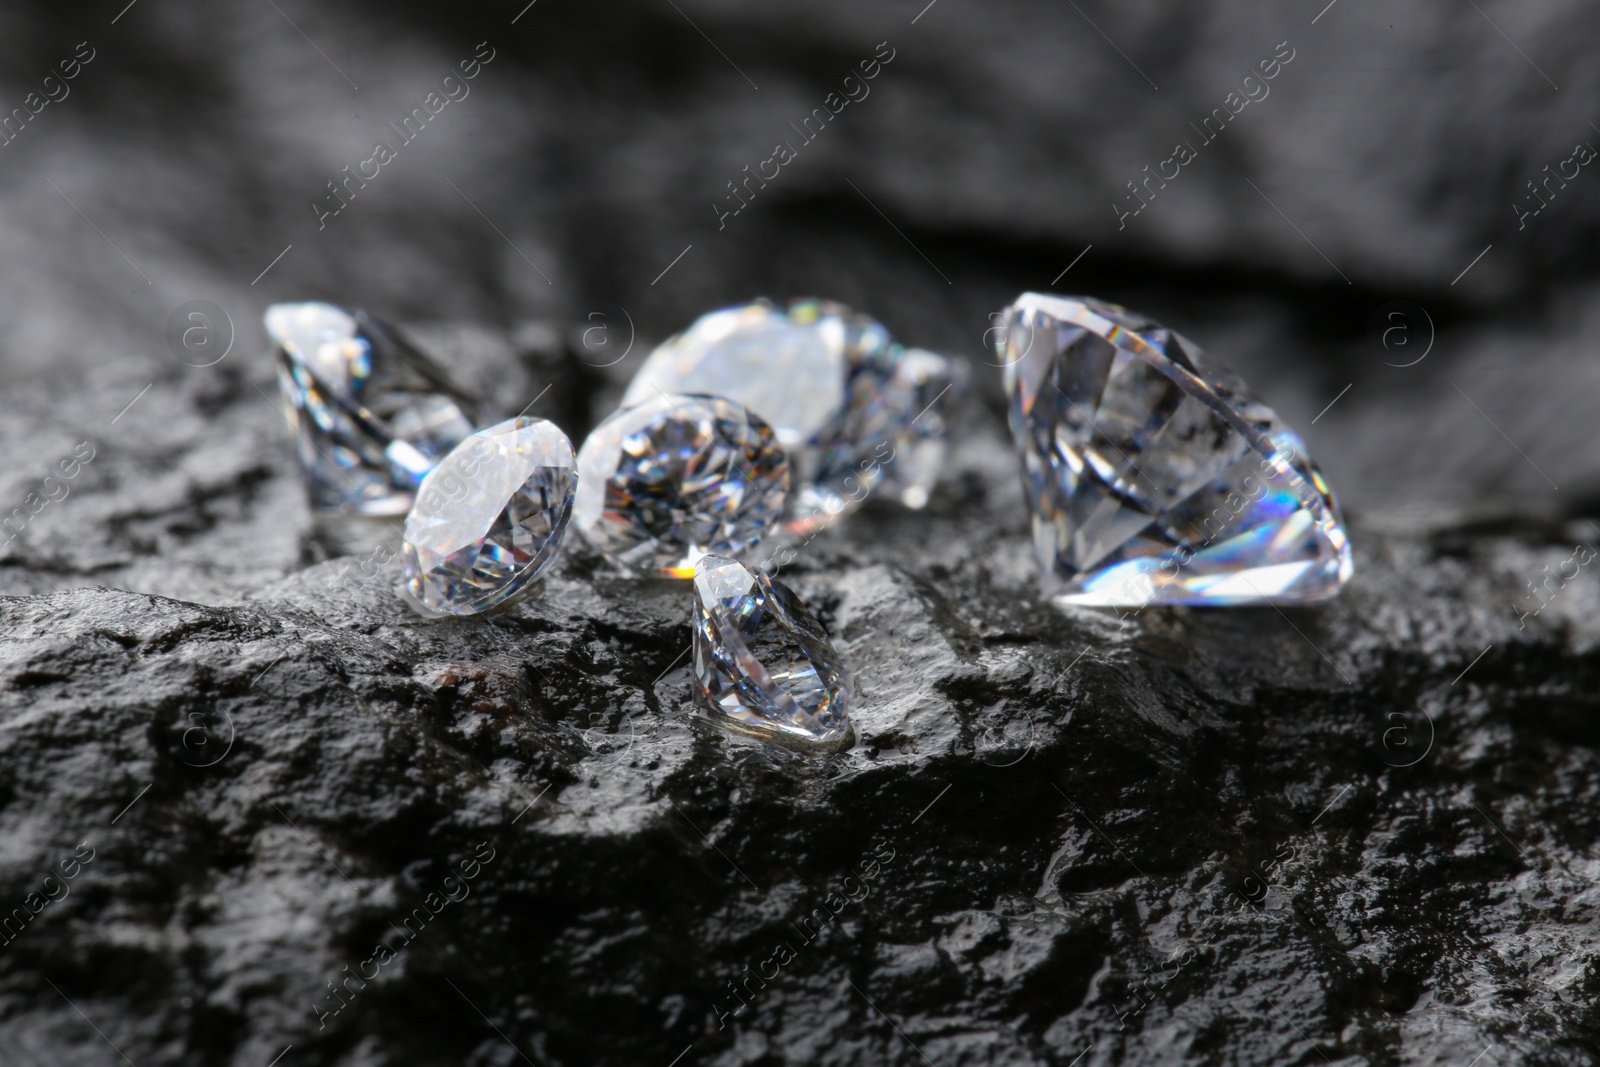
[
  {"x": 762, "y": 661},
  {"x": 1155, "y": 476},
  {"x": 851, "y": 406},
  {"x": 670, "y": 479},
  {"x": 373, "y": 413},
  {"x": 488, "y": 519}
]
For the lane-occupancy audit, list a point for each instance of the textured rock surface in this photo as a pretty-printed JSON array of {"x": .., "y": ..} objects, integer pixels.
[
  {"x": 1208, "y": 837},
  {"x": 1361, "y": 833}
]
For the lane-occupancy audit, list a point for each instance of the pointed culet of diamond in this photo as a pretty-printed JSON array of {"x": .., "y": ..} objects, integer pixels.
[
  {"x": 858, "y": 413},
  {"x": 675, "y": 477},
  {"x": 372, "y": 414},
  {"x": 1154, "y": 475},
  {"x": 763, "y": 664},
  {"x": 488, "y": 518}
]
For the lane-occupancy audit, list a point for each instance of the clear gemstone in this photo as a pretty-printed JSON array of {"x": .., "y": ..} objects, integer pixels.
[
  {"x": 373, "y": 413},
  {"x": 675, "y": 477},
  {"x": 847, "y": 402},
  {"x": 488, "y": 519},
  {"x": 922, "y": 381},
  {"x": 762, "y": 661},
  {"x": 1154, "y": 475}
]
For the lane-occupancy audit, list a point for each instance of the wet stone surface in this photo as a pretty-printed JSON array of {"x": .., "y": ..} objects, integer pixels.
[{"x": 258, "y": 803}]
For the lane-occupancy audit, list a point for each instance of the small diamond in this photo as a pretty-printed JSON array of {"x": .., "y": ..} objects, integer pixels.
[
  {"x": 852, "y": 407},
  {"x": 489, "y": 518},
  {"x": 668, "y": 480},
  {"x": 1154, "y": 474},
  {"x": 762, "y": 661},
  {"x": 373, "y": 414}
]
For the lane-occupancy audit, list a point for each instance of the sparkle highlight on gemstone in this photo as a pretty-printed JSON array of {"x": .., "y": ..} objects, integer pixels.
[
  {"x": 488, "y": 519},
  {"x": 857, "y": 412},
  {"x": 1154, "y": 475},
  {"x": 674, "y": 477},
  {"x": 763, "y": 664},
  {"x": 372, "y": 414}
]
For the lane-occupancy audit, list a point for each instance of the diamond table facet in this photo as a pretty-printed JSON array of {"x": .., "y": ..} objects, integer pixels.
[
  {"x": 488, "y": 519},
  {"x": 675, "y": 477},
  {"x": 1154, "y": 475},
  {"x": 373, "y": 414},
  {"x": 856, "y": 411},
  {"x": 762, "y": 662}
]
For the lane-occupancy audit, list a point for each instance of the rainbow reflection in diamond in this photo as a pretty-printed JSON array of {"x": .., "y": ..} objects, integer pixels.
[{"x": 1154, "y": 475}]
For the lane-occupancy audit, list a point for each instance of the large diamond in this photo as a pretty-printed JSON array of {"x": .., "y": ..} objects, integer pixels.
[
  {"x": 488, "y": 519},
  {"x": 668, "y": 480},
  {"x": 373, "y": 414},
  {"x": 762, "y": 661},
  {"x": 1154, "y": 475},
  {"x": 856, "y": 411}
]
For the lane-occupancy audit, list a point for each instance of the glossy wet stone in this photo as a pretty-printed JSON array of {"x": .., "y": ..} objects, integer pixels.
[{"x": 1184, "y": 836}]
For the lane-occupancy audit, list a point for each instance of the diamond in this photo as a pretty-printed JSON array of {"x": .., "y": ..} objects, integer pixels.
[
  {"x": 668, "y": 480},
  {"x": 762, "y": 662},
  {"x": 488, "y": 519},
  {"x": 373, "y": 413},
  {"x": 855, "y": 410},
  {"x": 922, "y": 380},
  {"x": 1154, "y": 475}
]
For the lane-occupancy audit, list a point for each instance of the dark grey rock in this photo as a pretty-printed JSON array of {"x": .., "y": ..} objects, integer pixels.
[{"x": 1362, "y": 831}]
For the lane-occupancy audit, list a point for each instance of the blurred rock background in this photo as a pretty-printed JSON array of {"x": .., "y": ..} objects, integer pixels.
[{"x": 988, "y": 155}]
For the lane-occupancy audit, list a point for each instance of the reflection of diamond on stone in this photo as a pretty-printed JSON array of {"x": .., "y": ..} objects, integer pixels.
[
  {"x": 670, "y": 479},
  {"x": 488, "y": 519},
  {"x": 1155, "y": 476},
  {"x": 373, "y": 413},
  {"x": 762, "y": 661},
  {"x": 856, "y": 411}
]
